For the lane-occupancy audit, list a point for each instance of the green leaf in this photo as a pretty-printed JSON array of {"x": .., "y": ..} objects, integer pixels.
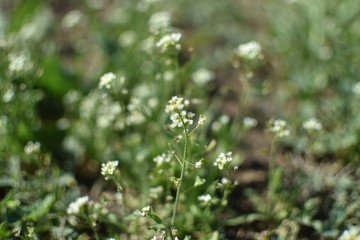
[
  {"x": 4, "y": 230},
  {"x": 41, "y": 208},
  {"x": 156, "y": 218}
]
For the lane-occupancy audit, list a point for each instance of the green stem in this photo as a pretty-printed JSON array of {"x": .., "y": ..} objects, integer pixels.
[
  {"x": 183, "y": 167},
  {"x": 271, "y": 170}
]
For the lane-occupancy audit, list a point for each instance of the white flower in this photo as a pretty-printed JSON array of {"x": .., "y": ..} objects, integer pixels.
[
  {"x": 108, "y": 169},
  {"x": 161, "y": 236},
  {"x": 163, "y": 158},
  {"x": 106, "y": 80},
  {"x": 356, "y": 89},
  {"x": 8, "y": 95},
  {"x": 312, "y": 124},
  {"x": 250, "y": 50},
  {"x": 32, "y": 147},
  {"x": 107, "y": 114},
  {"x": 202, "y": 120},
  {"x": 223, "y": 159},
  {"x": 202, "y": 76},
  {"x": 145, "y": 211},
  {"x": 174, "y": 231},
  {"x": 224, "y": 119},
  {"x": 71, "y": 19},
  {"x": 159, "y": 20},
  {"x": 249, "y": 122},
  {"x": 74, "y": 207},
  {"x": 127, "y": 38},
  {"x": 198, "y": 164},
  {"x": 18, "y": 63},
  {"x": 279, "y": 128},
  {"x": 353, "y": 233},
  {"x": 205, "y": 198},
  {"x": 168, "y": 40},
  {"x": 178, "y": 116}
]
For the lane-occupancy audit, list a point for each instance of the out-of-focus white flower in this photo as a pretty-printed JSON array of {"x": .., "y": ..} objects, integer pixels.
[
  {"x": 312, "y": 124},
  {"x": 223, "y": 159},
  {"x": 279, "y": 128},
  {"x": 107, "y": 114},
  {"x": 159, "y": 21},
  {"x": 169, "y": 75},
  {"x": 156, "y": 192},
  {"x": 71, "y": 19},
  {"x": 106, "y": 80},
  {"x": 161, "y": 236},
  {"x": 32, "y": 148},
  {"x": 108, "y": 169},
  {"x": 169, "y": 40},
  {"x": 18, "y": 63},
  {"x": 163, "y": 158},
  {"x": 205, "y": 198},
  {"x": 353, "y": 233},
  {"x": 8, "y": 95},
  {"x": 249, "y": 122},
  {"x": 127, "y": 38},
  {"x": 249, "y": 51},
  {"x": 145, "y": 211},
  {"x": 74, "y": 207},
  {"x": 356, "y": 89},
  {"x": 202, "y": 76}
]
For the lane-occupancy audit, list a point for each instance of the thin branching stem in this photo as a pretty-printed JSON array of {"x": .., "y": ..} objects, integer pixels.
[{"x": 183, "y": 167}]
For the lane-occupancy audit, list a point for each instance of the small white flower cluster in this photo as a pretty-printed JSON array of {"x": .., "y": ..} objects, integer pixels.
[
  {"x": 108, "y": 113},
  {"x": 249, "y": 51},
  {"x": 158, "y": 21},
  {"x": 223, "y": 121},
  {"x": 163, "y": 158},
  {"x": 74, "y": 207},
  {"x": 169, "y": 40},
  {"x": 224, "y": 181},
  {"x": 223, "y": 159},
  {"x": 32, "y": 148},
  {"x": 106, "y": 80},
  {"x": 279, "y": 128},
  {"x": 356, "y": 89},
  {"x": 249, "y": 122},
  {"x": 127, "y": 38},
  {"x": 71, "y": 19},
  {"x": 202, "y": 76},
  {"x": 108, "y": 169},
  {"x": 201, "y": 120},
  {"x": 135, "y": 115},
  {"x": 176, "y": 104},
  {"x": 19, "y": 63},
  {"x": 184, "y": 118},
  {"x": 161, "y": 236},
  {"x": 353, "y": 233},
  {"x": 8, "y": 95},
  {"x": 145, "y": 211},
  {"x": 205, "y": 198},
  {"x": 178, "y": 115},
  {"x": 312, "y": 124},
  {"x": 199, "y": 164}
]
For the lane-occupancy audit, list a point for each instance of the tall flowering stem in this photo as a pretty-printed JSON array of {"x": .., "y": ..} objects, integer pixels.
[{"x": 182, "y": 174}]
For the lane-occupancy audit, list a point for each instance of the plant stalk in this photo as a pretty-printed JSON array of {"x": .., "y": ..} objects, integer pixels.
[{"x": 183, "y": 167}]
